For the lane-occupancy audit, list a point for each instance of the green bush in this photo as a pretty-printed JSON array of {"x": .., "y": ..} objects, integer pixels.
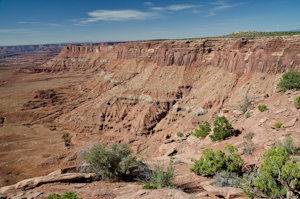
[
  {"x": 163, "y": 178},
  {"x": 66, "y": 195},
  {"x": 203, "y": 130},
  {"x": 262, "y": 108},
  {"x": 149, "y": 186},
  {"x": 179, "y": 134},
  {"x": 112, "y": 163},
  {"x": 278, "y": 125},
  {"x": 297, "y": 102},
  {"x": 290, "y": 80},
  {"x": 214, "y": 162},
  {"x": 222, "y": 129},
  {"x": 277, "y": 177}
]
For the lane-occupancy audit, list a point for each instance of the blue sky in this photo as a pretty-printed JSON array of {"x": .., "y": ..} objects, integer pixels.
[{"x": 61, "y": 21}]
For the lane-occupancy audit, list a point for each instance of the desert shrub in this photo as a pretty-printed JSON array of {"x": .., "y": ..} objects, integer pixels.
[
  {"x": 149, "y": 186},
  {"x": 278, "y": 125},
  {"x": 249, "y": 136},
  {"x": 245, "y": 104},
  {"x": 248, "y": 115},
  {"x": 297, "y": 102},
  {"x": 179, "y": 134},
  {"x": 248, "y": 148},
  {"x": 288, "y": 145},
  {"x": 277, "y": 177},
  {"x": 262, "y": 108},
  {"x": 214, "y": 162},
  {"x": 111, "y": 163},
  {"x": 163, "y": 177},
  {"x": 203, "y": 130},
  {"x": 66, "y": 195},
  {"x": 226, "y": 179},
  {"x": 290, "y": 80},
  {"x": 222, "y": 129}
]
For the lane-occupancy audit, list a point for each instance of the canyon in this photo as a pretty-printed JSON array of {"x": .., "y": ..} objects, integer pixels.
[{"x": 138, "y": 93}]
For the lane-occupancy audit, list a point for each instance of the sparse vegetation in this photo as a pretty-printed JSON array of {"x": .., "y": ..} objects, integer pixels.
[
  {"x": 66, "y": 195},
  {"x": 203, "y": 130},
  {"x": 245, "y": 104},
  {"x": 290, "y": 80},
  {"x": 149, "y": 186},
  {"x": 214, "y": 162},
  {"x": 278, "y": 125},
  {"x": 248, "y": 148},
  {"x": 162, "y": 178},
  {"x": 248, "y": 115},
  {"x": 288, "y": 145},
  {"x": 262, "y": 108},
  {"x": 112, "y": 163},
  {"x": 246, "y": 34},
  {"x": 222, "y": 129},
  {"x": 226, "y": 179},
  {"x": 179, "y": 134},
  {"x": 297, "y": 102}
]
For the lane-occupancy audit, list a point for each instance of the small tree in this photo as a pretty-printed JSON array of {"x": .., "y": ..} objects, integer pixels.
[
  {"x": 290, "y": 80},
  {"x": 278, "y": 177},
  {"x": 214, "y": 162},
  {"x": 222, "y": 129},
  {"x": 112, "y": 163},
  {"x": 203, "y": 130}
]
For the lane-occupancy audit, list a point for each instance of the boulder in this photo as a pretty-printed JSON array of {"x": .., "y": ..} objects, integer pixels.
[
  {"x": 227, "y": 192},
  {"x": 290, "y": 123},
  {"x": 237, "y": 113},
  {"x": 280, "y": 111},
  {"x": 67, "y": 177}
]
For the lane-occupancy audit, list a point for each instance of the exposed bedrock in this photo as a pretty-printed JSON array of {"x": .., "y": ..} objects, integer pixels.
[{"x": 144, "y": 92}]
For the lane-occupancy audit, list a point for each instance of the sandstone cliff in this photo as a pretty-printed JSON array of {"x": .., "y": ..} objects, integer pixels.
[{"x": 144, "y": 92}]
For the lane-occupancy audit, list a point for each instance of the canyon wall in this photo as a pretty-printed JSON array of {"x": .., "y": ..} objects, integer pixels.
[{"x": 144, "y": 92}]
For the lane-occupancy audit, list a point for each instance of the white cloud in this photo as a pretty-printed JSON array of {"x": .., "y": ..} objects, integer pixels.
[
  {"x": 148, "y": 3},
  {"x": 175, "y": 7},
  {"x": 278, "y": 25},
  {"x": 12, "y": 30},
  {"x": 118, "y": 15},
  {"x": 221, "y": 5}
]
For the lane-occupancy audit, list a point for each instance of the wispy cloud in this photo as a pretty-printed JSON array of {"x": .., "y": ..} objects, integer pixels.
[
  {"x": 13, "y": 30},
  {"x": 148, "y": 3},
  {"x": 118, "y": 15},
  {"x": 53, "y": 24},
  {"x": 175, "y": 7},
  {"x": 26, "y": 22},
  {"x": 221, "y": 5}
]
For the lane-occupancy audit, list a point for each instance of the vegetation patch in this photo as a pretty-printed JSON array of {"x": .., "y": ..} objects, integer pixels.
[
  {"x": 149, "y": 186},
  {"x": 203, "y": 130},
  {"x": 278, "y": 125},
  {"x": 66, "y": 195},
  {"x": 297, "y": 102},
  {"x": 214, "y": 162},
  {"x": 262, "y": 107},
  {"x": 179, "y": 134},
  {"x": 222, "y": 129},
  {"x": 290, "y": 80}
]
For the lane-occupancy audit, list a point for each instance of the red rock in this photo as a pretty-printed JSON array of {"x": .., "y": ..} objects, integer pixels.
[{"x": 290, "y": 123}]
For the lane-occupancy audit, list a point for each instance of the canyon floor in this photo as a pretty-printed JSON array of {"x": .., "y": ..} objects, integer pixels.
[{"x": 142, "y": 94}]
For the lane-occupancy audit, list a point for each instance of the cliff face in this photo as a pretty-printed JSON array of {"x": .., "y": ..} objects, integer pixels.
[
  {"x": 144, "y": 92},
  {"x": 242, "y": 56}
]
